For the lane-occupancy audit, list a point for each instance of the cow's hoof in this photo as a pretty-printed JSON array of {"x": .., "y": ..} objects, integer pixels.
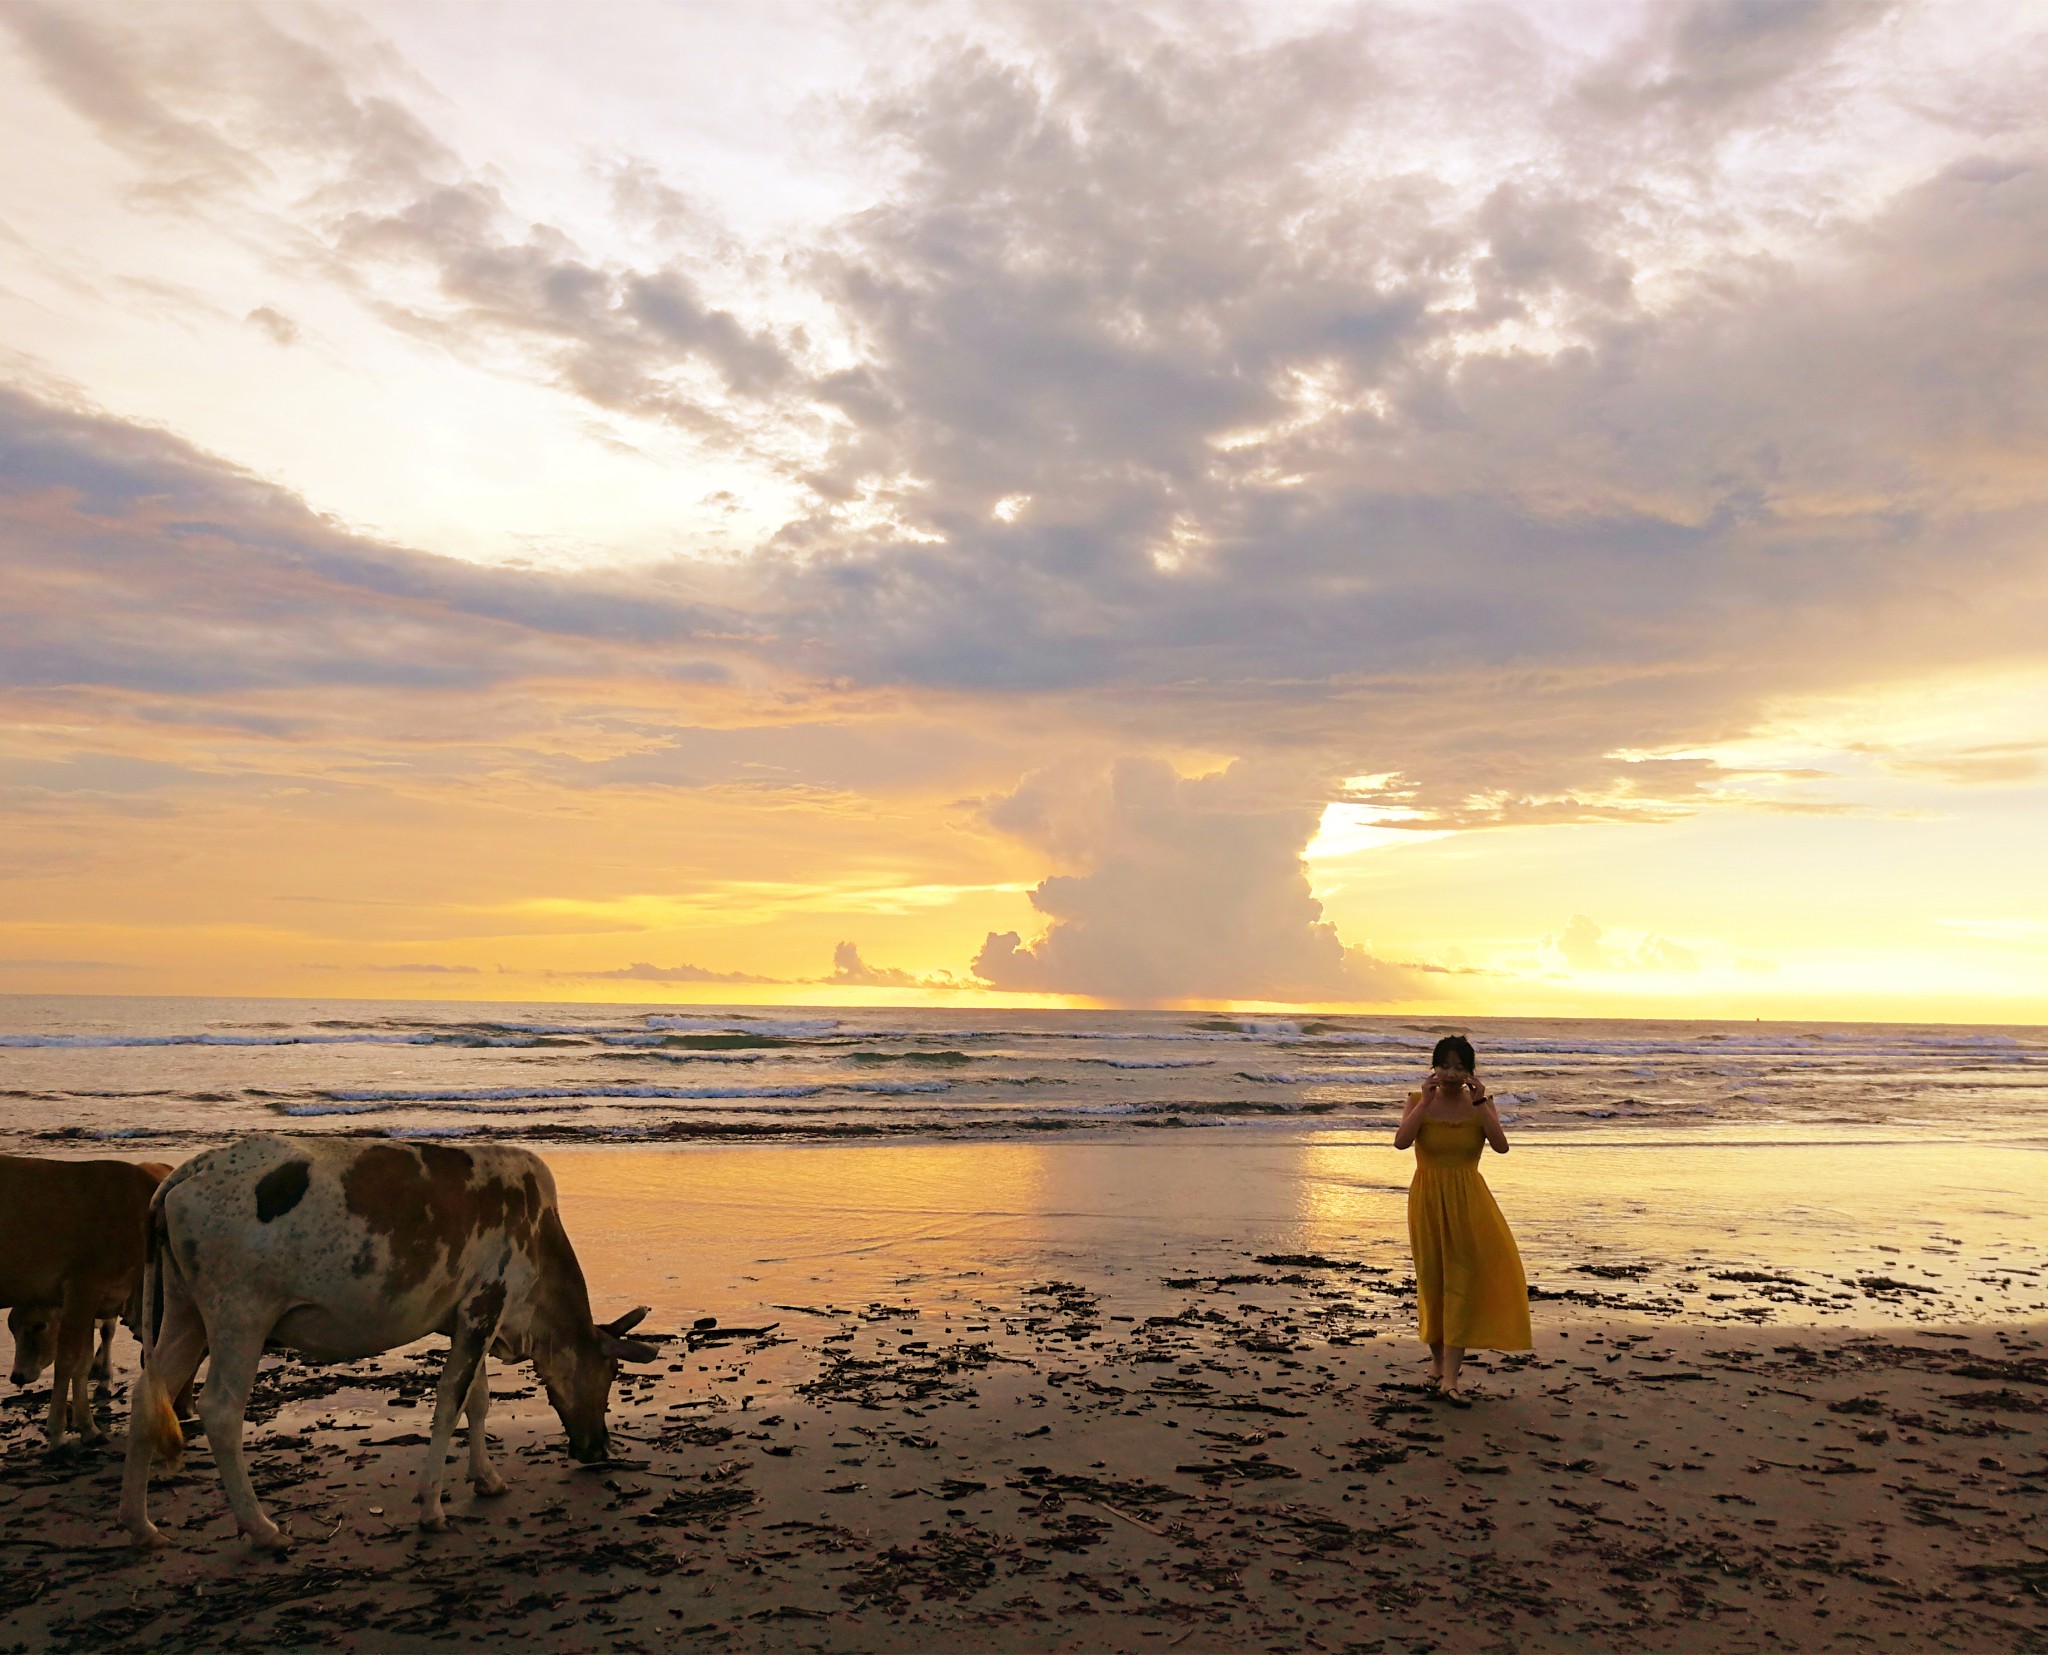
[
  {"x": 489, "y": 1488},
  {"x": 267, "y": 1537},
  {"x": 146, "y": 1536},
  {"x": 433, "y": 1521}
]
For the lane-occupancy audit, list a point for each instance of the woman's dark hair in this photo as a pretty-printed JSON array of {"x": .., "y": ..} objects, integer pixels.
[{"x": 1454, "y": 1048}]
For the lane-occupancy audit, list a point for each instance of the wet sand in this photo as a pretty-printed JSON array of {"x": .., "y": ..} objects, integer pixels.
[{"x": 984, "y": 1422}]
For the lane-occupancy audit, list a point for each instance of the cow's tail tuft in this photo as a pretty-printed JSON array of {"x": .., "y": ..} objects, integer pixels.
[{"x": 154, "y": 1416}]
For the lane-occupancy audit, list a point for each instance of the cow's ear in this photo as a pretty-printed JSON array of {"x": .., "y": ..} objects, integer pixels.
[
  {"x": 626, "y": 1323},
  {"x": 625, "y": 1350}
]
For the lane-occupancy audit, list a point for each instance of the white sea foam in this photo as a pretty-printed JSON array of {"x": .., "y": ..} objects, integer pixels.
[
  {"x": 542, "y": 1098},
  {"x": 110, "y": 1040},
  {"x": 1150, "y": 1063},
  {"x": 788, "y": 1028}
]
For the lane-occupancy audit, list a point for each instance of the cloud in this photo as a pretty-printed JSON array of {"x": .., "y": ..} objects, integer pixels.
[
  {"x": 1477, "y": 451},
  {"x": 425, "y": 968},
  {"x": 1580, "y": 948},
  {"x": 1708, "y": 58},
  {"x": 1482, "y": 485},
  {"x": 1992, "y": 764},
  {"x": 641, "y": 972},
  {"x": 849, "y": 970},
  {"x": 65, "y": 965},
  {"x": 134, "y": 560},
  {"x": 842, "y": 753},
  {"x": 223, "y": 117},
  {"x": 1191, "y": 890},
  {"x": 280, "y": 328}
]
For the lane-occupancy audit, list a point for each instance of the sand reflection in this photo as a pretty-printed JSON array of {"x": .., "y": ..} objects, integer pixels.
[{"x": 723, "y": 1230}]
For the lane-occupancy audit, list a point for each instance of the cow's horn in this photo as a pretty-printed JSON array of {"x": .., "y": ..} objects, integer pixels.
[{"x": 621, "y": 1325}]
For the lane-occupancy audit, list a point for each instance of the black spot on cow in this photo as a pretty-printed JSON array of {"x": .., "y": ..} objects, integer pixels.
[
  {"x": 365, "y": 1260},
  {"x": 281, "y": 1189},
  {"x": 446, "y": 1165}
]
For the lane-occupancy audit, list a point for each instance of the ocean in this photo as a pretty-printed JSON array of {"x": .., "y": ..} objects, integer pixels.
[
  {"x": 186, "y": 1072},
  {"x": 724, "y": 1159}
]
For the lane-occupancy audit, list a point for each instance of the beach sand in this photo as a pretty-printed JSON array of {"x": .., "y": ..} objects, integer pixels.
[{"x": 997, "y": 1424}]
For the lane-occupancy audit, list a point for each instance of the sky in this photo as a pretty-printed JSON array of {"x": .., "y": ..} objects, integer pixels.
[{"x": 1458, "y": 510}]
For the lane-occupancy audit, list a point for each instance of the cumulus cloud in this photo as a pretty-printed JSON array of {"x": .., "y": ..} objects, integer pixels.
[
  {"x": 1580, "y": 947},
  {"x": 849, "y": 970},
  {"x": 1187, "y": 890}
]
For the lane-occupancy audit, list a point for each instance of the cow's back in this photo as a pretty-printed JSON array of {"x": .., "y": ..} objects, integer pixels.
[
  {"x": 357, "y": 1244},
  {"x": 69, "y": 1220}
]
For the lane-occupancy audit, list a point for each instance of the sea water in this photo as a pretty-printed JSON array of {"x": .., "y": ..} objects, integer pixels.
[
  {"x": 726, "y": 1158},
  {"x": 189, "y": 1071}
]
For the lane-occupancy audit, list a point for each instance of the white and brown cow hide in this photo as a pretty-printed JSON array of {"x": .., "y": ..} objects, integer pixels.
[{"x": 344, "y": 1248}]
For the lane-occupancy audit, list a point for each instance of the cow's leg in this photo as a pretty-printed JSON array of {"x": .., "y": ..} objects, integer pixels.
[
  {"x": 230, "y": 1377},
  {"x": 103, "y": 1358},
  {"x": 482, "y": 1476},
  {"x": 69, "y": 1402},
  {"x": 83, "y": 1420},
  {"x": 476, "y": 1324},
  {"x": 180, "y": 1344}
]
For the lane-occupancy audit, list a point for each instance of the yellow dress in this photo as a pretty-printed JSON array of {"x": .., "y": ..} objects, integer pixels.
[{"x": 1468, "y": 1272}]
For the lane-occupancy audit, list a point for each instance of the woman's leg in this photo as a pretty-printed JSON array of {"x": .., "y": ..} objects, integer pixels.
[
  {"x": 1454, "y": 1356},
  {"x": 1436, "y": 1362}
]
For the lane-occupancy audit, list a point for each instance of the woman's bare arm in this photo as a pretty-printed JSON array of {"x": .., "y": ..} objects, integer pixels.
[
  {"x": 1411, "y": 1117},
  {"x": 1489, "y": 1123}
]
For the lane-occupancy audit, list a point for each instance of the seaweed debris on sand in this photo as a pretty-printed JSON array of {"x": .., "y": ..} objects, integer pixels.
[{"x": 1240, "y": 1457}]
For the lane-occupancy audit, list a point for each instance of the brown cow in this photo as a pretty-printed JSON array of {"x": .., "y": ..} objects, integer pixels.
[{"x": 71, "y": 1241}]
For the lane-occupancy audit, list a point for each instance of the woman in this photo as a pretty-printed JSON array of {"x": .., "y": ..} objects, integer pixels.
[{"x": 1468, "y": 1273}]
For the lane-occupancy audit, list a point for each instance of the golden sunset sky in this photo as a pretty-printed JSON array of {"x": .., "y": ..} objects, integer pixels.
[{"x": 1472, "y": 510}]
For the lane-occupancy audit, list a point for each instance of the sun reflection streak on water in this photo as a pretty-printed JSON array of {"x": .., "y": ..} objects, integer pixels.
[{"x": 713, "y": 1229}]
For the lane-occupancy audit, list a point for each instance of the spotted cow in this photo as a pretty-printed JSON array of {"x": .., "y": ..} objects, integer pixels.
[
  {"x": 71, "y": 1244},
  {"x": 342, "y": 1249}
]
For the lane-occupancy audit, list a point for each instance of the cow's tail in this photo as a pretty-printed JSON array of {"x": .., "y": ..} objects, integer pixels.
[{"x": 154, "y": 1416}]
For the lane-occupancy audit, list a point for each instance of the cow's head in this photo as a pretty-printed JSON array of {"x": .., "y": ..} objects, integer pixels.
[
  {"x": 34, "y": 1329},
  {"x": 578, "y": 1374}
]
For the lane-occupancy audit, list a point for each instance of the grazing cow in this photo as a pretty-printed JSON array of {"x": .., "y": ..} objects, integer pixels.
[
  {"x": 71, "y": 1244},
  {"x": 343, "y": 1248}
]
